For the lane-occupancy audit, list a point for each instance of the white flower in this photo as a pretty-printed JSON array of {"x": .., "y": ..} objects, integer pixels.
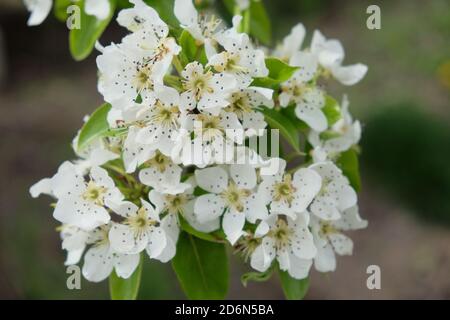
[
  {"x": 181, "y": 204},
  {"x": 213, "y": 140},
  {"x": 291, "y": 43},
  {"x": 161, "y": 121},
  {"x": 82, "y": 203},
  {"x": 330, "y": 55},
  {"x": 204, "y": 89},
  {"x": 309, "y": 99},
  {"x": 244, "y": 102},
  {"x": 239, "y": 58},
  {"x": 39, "y": 10},
  {"x": 101, "y": 258},
  {"x": 98, "y": 8},
  {"x": 234, "y": 198},
  {"x": 344, "y": 134},
  {"x": 54, "y": 186},
  {"x": 140, "y": 230},
  {"x": 132, "y": 68},
  {"x": 142, "y": 16},
  {"x": 197, "y": 25},
  {"x": 329, "y": 238},
  {"x": 287, "y": 240},
  {"x": 163, "y": 175},
  {"x": 336, "y": 194},
  {"x": 74, "y": 240},
  {"x": 287, "y": 194}
]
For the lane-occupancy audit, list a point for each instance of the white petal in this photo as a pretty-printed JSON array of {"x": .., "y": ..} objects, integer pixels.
[
  {"x": 349, "y": 75},
  {"x": 325, "y": 260},
  {"x": 312, "y": 115},
  {"x": 299, "y": 268},
  {"x": 169, "y": 251},
  {"x": 342, "y": 244},
  {"x": 293, "y": 42},
  {"x": 98, "y": 8},
  {"x": 123, "y": 208},
  {"x": 213, "y": 179},
  {"x": 80, "y": 213},
  {"x": 308, "y": 184},
  {"x": 39, "y": 11},
  {"x": 351, "y": 220},
  {"x": 157, "y": 242},
  {"x": 208, "y": 207},
  {"x": 185, "y": 12},
  {"x": 232, "y": 224},
  {"x": 98, "y": 263},
  {"x": 325, "y": 208},
  {"x": 126, "y": 264},
  {"x": 307, "y": 62},
  {"x": 243, "y": 175},
  {"x": 123, "y": 239},
  {"x": 43, "y": 186}
]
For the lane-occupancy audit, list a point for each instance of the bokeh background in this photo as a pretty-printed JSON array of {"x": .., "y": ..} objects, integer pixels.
[{"x": 403, "y": 104}]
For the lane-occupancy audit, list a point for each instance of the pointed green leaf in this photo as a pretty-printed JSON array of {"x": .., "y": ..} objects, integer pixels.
[
  {"x": 279, "y": 72},
  {"x": 293, "y": 289},
  {"x": 97, "y": 127},
  {"x": 260, "y": 26},
  {"x": 201, "y": 267},
  {"x": 277, "y": 120},
  {"x": 125, "y": 289},
  {"x": 82, "y": 41},
  {"x": 331, "y": 110},
  {"x": 348, "y": 162}
]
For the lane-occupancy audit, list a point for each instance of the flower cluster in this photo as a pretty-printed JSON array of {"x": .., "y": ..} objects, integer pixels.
[{"x": 176, "y": 151}]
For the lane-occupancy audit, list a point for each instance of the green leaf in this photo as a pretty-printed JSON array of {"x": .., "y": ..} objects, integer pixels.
[
  {"x": 349, "y": 164},
  {"x": 60, "y": 9},
  {"x": 260, "y": 26},
  {"x": 82, "y": 41},
  {"x": 201, "y": 268},
  {"x": 212, "y": 237},
  {"x": 331, "y": 110},
  {"x": 279, "y": 72},
  {"x": 293, "y": 289},
  {"x": 166, "y": 13},
  {"x": 277, "y": 120},
  {"x": 125, "y": 289},
  {"x": 256, "y": 276},
  {"x": 96, "y": 127}
]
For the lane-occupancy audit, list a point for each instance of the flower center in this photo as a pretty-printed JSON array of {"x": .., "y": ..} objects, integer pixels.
[
  {"x": 159, "y": 161},
  {"x": 94, "y": 193},
  {"x": 284, "y": 190},
  {"x": 140, "y": 223},
  {"x": 239, "y": 104},
  {"x": 327, "y": 229},
  {"x": 142, "y": 80},
  {"x": 199, "y": 84},
  {"x": 281, "y": 233},
  {"x": 165, "y": 116},
  {"x": 175, "y": 203},
  {"x": 235, "y": 197}
]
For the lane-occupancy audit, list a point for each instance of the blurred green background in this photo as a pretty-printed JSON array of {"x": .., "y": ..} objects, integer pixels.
[{"x": 403, "y": 104}]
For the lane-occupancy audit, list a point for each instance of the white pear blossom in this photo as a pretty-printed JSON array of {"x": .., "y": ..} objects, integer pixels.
[
  {"x": 202, "y": 28},
  {"x": 231, "y": 195},
  {"x": 308, "y": 98},
  {"x": 329, "y": 238},
  {"x": 335, "y": 195},
  {"x": 207, "y": 139},
  {"x": 133, "y": 67},
  {"x": 101, "y": 259},
  {"x": 39, "y": 10},
  {"x": 163, "y": 175},
  {"x": 343, "y": 135},
  {"x": 140, "y": 230},
  {"x": 239, "y": 58},
  {"x": 330, "y": 55},
  {"x": 135, "y": 153},
  {"x": 81, "y": 203},
  {"x": 181, "y": 204},
  {"x": 205, "y": 90},
  {"x": 287, "y": 240},
  {"x": 74, "y": 241},
  {"x": 289, "y": 194}
]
